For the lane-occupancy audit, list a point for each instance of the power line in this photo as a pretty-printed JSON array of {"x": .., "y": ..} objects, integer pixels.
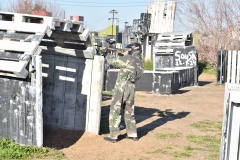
[
  {"x": 106, "y": 4},
  {"x": 136, "y": 2},
  {"x": 96, "y": 6},
  {"x": 92, "y": 2},
  {"x": 99, "y": 20}
]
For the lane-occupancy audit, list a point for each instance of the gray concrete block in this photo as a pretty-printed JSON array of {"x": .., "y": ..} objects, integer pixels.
[{"x": 158, "y": 82}]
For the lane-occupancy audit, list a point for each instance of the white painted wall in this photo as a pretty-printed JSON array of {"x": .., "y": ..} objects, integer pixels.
[
  {"x": 159, "y": 23},
  {"x": 94, "y": 106}
]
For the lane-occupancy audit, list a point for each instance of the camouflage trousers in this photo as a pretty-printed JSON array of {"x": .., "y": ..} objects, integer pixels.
[{"x": 123, "y": 99}]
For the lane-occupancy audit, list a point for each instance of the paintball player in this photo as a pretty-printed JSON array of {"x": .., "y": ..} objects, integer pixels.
[{"x": 131, "y": 69}]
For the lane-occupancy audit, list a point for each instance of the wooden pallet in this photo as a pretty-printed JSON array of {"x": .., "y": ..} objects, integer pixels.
[
  {"x": 53, "y": 23},
  {"x": 174, "y": 36},
  {"x": 21, "y": 34},
  {"x": 174, "y": 39},
  {"x": 162, "y": 51},
  {"x": 69, "y": 42},
  {"x": 170, "y": 45},
  {"x": 68, "y": 25},
  {"x": 18, "y": 43},
  {"x": 26, "y": 18}
]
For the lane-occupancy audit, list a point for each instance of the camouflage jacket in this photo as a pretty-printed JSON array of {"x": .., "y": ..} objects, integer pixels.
[{"x": 131, "y": 68}]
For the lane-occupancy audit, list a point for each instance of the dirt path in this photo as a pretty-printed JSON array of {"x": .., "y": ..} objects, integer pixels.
[{"x": 181, "y": 126}]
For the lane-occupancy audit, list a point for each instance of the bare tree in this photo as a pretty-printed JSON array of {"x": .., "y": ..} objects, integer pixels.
[
  {"x": 57, "y": 11},
  {"x": 0, "y": 5},
  {"x": 216, "y": 21},
  {"x": 27, "y": 6},
  {"x": 49, "y": 6},
  {"x": 21, "y": 6}
]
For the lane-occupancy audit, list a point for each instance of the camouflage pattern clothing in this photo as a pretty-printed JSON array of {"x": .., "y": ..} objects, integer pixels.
[{"x": 131, "y": 69}]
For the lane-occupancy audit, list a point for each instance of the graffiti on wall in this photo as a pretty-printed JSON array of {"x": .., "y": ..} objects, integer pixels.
[{"x": 185, "y": 57}]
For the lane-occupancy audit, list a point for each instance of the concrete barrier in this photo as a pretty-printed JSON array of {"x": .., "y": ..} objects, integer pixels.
[{"x": 166, "y": 81}]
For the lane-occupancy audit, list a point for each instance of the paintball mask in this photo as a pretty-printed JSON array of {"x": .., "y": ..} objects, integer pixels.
[{"x": 134, "y": 49}]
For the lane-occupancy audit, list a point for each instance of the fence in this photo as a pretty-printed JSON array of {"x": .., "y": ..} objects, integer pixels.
[
  {"x": 230, "y": 144},
  {"x": 224, "y": 61}
]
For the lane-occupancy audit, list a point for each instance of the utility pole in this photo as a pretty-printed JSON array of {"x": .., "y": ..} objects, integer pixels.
[{"x": 113, "y": 12}]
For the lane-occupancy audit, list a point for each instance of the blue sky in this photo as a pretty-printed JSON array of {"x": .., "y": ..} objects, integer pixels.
[{"x": 96, "y": 13}]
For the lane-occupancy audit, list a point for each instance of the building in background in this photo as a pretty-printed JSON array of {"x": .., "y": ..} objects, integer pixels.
[{"x": 159, "y": 18}]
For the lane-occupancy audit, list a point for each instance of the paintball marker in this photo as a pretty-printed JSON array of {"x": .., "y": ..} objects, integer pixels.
[{"x": 110, "y": 49}]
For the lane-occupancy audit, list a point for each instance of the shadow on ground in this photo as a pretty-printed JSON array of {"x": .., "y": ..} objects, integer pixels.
[
  {"x": 163, "y": 116},
  {"x": 203, "y": 83},
  {"x": 60, "y": 138},
  {"x": 142, "y": 114},
  {"x": 106, "y": 97},
  {"x": 182, "y": 91}
]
